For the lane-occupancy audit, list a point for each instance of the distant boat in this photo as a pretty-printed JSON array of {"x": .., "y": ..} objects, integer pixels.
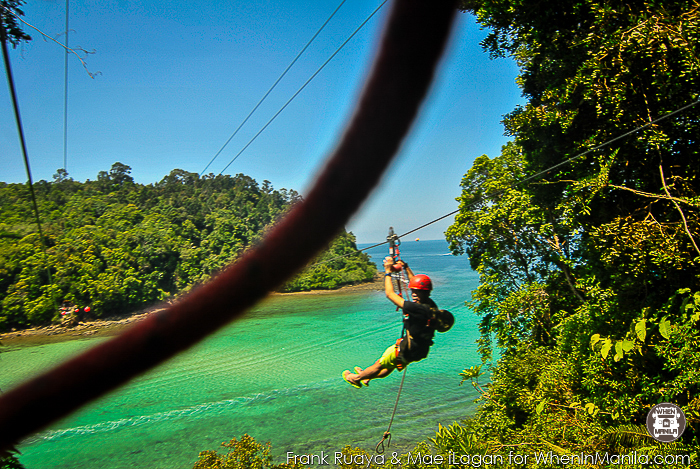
[{"x": 417, "y": 239}]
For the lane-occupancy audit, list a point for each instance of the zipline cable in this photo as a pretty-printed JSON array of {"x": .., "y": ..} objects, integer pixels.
[
  {"x": 303, "y": 86},
  {"x": 273, "y": 86},
  {"x": 23, "y": 145},
  {"x": 605, "y": 144},
  {"x": 527, "y": 179},
  {"x": 575, "y": 157},
  {"x": 392, "y": 240},
  {"x": 387, "y": 108},
  {"x": 65, "y": 97}
]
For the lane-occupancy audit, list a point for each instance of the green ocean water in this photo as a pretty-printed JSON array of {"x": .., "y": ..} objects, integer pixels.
[{"x": 276, "y": 375}]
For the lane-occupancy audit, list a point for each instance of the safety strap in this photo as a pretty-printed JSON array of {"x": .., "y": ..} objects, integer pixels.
[
  {"x": 387, "y": 434},
  {"x": 395, "y": 254}
]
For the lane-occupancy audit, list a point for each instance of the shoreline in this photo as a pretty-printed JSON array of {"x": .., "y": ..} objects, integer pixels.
[
  {"x": 376, "y": 284},
  {"x": 112, "y": 326}
]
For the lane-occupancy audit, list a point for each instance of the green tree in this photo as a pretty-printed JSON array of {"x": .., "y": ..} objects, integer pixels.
[
  {"x": 245, "y": 453},
  {"x": 341, "y": 264},
  {"x": 61, "y": 176},
  {"x": 9, "y": 29},
  {"x": 117, "y": 246},
  {"x": 586, "y": 269},
  {"x": 120, "y": 174}
]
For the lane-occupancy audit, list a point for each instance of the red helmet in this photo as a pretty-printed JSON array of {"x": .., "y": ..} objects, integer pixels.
[{"x": 420, "y": 282}]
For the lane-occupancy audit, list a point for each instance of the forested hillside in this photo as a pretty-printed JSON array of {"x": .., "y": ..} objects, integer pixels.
[
  {"x": 115, "y": 246},
  {"x": 590, "y": 270}
]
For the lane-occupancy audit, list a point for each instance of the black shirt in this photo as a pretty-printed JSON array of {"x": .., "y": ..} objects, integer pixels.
[{"x": 416, "y": 321}]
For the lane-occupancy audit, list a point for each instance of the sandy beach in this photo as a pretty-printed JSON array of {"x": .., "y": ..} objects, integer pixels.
[{"x": 107, "y": 327}]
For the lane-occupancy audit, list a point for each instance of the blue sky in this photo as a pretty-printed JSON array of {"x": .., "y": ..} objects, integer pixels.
[{"x": 176, "y": 79}]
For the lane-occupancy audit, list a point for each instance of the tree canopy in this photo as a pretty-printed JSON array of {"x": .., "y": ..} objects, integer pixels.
[
  {"x": 9, "y": 29},
  {"x": 590, "y": 270},
  {"x": 115, "y": 246}
]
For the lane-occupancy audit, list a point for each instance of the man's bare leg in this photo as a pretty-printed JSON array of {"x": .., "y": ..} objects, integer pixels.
[{"x": 371, "y": 372}]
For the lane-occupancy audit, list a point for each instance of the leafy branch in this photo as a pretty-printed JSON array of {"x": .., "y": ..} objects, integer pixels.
[
  {"x": 68, "y": 49},
  {"x": 685, "y": 221}
]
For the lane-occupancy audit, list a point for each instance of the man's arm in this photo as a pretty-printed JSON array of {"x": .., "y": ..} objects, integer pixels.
[
  {"x": 388, "y": 287},
  {"x": 409, "y": 272}
]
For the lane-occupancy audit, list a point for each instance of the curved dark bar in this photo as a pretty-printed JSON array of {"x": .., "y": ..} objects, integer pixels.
[{"x": 413, "y": 40}]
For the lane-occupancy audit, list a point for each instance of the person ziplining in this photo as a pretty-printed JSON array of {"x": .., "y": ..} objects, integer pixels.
[{"x": 421, "y": 318}]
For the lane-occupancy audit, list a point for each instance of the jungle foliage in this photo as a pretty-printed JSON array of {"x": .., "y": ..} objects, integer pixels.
[
  {"x": 116, "y": 246},
  {"x": 245, "y": 453},
  {"x": 590, "y": 271},
  {"x": 248, "y": 453},
  {"x": 10, "y": 31}
]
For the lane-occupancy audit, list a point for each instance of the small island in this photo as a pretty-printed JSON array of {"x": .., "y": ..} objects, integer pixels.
[{"x": 112, "y": 247}]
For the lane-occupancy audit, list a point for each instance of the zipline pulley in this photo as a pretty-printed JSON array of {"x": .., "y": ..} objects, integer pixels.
[
  {"x": 395, "y": 253},
  {"x": 394, "y": 243}
]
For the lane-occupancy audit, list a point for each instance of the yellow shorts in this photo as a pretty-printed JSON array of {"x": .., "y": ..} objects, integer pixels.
[{"x": 390, "y": 359}]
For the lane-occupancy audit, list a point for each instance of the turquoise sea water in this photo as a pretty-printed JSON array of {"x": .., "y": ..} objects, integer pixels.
[{"x": 276, "y": 375}]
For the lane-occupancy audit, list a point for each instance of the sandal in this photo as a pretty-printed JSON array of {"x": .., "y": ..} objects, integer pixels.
[
  {"x": 354, "y": 385},
  {"x": 359, "y": 370}
]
